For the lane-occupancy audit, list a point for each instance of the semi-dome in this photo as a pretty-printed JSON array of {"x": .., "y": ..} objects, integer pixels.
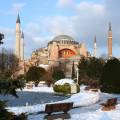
[{"x": 64, "y": 39}]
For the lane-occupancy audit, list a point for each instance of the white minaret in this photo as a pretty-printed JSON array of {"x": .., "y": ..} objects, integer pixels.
[
  {"x": 22, "y": 46},
  {"x": 18, "y": 38},
  {"x": 95, "y": 48}
]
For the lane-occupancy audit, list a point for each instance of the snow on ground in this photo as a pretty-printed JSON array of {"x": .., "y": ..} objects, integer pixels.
[
  {"x": 94, "y": 115},
  {"x": 63, "y": 81},
  {"x": 79, "y": 99},
  {"x": 83, "y": 113},
  {"x": 97, "y": 115},
  {"x": 39, "y": 89},
  {"x": 83, "y": 98},
  {"x": 91, "y": 112}
]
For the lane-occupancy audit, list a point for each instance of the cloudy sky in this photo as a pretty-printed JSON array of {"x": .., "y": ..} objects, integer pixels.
[{"x": 42, "y": 20}]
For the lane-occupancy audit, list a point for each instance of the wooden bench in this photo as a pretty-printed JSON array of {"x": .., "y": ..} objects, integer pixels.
[
  {"x": 94, "y": 90},
  {"x": 109, "y": 105},
  {"x": 58, "y": 107}
]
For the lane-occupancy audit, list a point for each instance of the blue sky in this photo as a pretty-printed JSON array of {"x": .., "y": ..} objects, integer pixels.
[{"x": 42, "y": 20}]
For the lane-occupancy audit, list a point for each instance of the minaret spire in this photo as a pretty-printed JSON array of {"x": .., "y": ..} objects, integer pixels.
[
  {"x": 95, "y": 47},
  {"x": 18, "y": 19},
  {"x": 22, "y": 35},
  {"x": 110, "y": 28},
  {"x": 110, "y": 41}
]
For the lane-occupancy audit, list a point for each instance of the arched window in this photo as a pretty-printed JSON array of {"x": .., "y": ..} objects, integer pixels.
[{"x": 66, "y": 53}]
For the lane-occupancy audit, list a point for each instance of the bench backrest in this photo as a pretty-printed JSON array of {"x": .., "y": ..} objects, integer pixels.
[
  {"x": 112, "y": 101},
  {"x": 58, "y": 107}
]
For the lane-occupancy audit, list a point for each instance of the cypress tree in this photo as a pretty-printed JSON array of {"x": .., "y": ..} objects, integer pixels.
[{"x": 73, "y": 71}]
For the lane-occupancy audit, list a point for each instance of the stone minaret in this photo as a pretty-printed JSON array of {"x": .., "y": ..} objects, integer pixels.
[
  {"x": 110, "y": 41},
  {"x": 22, "y": 46},
  {"x": 18, "y": 38},
  {"x": 95, "y": 47}
]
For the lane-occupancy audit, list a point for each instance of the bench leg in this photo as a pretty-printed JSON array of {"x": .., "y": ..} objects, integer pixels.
[
  {"x": 65, "y": 112},
  {"x": 49, "y": 113}
]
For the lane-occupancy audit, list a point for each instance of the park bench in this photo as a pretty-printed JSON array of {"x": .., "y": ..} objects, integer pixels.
[
  {"x": 110, "y": 104},
  {"x": 58, "y": 107}
]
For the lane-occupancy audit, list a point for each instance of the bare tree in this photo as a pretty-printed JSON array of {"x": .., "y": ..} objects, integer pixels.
[{"x": 8, "y": 62}]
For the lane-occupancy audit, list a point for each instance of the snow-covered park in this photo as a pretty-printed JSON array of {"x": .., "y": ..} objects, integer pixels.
[{"x": 86, "y": 106}]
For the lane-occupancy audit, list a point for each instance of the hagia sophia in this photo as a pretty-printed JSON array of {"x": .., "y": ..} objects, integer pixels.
[
  {"x": 62, "y": 48},
  {"x": 65, "y": 47}
]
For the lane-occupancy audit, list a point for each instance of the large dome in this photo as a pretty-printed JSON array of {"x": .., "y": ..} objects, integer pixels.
[{"x": 64, "y": 39}]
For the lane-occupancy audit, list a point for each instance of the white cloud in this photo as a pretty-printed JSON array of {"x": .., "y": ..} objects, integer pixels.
[
  {"x": 17, "y": 7},
  {"x": 59, "y": 25},
  {"x": 88, "y": 6},
  {"x": 82, "y": 6},
  {"x": 65, "y": 3}
]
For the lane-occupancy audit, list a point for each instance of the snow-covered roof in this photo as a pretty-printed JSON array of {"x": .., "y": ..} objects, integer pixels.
[{"x": 63, "y": 81}]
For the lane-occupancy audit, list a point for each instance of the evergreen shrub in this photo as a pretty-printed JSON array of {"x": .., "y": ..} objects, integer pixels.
[{"x": 65, "y": 89}]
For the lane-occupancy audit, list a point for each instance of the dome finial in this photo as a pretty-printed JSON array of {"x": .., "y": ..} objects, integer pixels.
[{"x": 95, "y": 39}]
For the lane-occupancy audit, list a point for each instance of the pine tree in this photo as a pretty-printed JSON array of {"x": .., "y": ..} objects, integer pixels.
[
  {"x": 110, "y": 78},
  {"x": 73, "y": 71}
]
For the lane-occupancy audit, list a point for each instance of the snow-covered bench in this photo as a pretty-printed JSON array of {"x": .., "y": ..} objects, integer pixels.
[{"x": 58, "y": 107}]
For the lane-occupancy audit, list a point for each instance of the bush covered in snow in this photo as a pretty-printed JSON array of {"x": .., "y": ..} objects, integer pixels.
[
  {"x": 64, "y": 86},
  {"x": 65, "y": 89}
]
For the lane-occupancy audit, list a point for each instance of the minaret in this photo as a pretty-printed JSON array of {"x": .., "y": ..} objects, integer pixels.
[
  {"x": 18, "y": 37},
  {"x": 110, "y": 41},
  {"x": 22, "y": 46},
  {"x": 95, "y": 47}
]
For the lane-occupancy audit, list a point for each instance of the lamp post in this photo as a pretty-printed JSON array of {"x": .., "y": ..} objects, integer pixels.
[{"x": 77, "y": 75}]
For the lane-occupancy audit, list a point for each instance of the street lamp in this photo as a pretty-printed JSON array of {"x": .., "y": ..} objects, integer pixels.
[
  {"x": 1, "y": 37},
  {"x": 77, "y": 75}
]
